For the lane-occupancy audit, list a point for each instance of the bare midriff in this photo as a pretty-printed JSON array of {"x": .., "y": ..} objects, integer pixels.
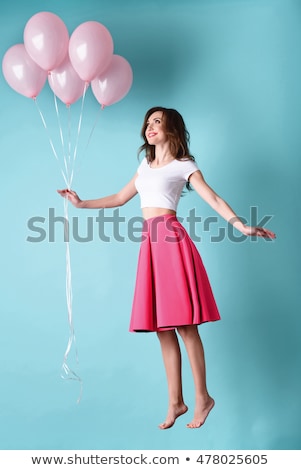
[{"x": 150, "y": 212}]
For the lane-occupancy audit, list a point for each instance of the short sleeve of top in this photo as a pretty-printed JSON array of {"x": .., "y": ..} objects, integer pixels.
[{"x": 162, "y": 187}]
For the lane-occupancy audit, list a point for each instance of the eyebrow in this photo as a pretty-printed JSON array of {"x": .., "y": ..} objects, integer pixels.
[{"x": 157, "y": 117}]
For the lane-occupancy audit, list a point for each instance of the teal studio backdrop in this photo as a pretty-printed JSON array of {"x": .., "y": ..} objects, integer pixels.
[{"x": 232, "y": 68}]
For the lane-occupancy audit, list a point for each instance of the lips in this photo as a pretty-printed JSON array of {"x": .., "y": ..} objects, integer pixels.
[{"x": 151, "y": 134}]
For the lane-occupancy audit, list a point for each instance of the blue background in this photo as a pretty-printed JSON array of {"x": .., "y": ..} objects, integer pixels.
[{"x": 232, "y": 68}]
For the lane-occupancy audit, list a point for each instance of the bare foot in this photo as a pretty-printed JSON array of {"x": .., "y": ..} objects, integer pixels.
[
  {"x": 173, "y": 413},
  {"x": 202, "y": 410}
]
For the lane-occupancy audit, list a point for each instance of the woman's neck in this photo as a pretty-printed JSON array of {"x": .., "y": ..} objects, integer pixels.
[{"x": 162, "y": 155}]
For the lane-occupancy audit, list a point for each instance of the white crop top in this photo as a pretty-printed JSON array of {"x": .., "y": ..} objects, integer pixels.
[{"x": 162, "y": 187}]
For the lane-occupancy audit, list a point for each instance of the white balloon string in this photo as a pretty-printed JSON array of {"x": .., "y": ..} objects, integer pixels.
[
  {"x": 69, "y": 133},
  {"x": 59, "y": 122},
  {"x": 90, "y": 136},
  {"x": 71, "y": 163},
  {"x": 100, "y": 109},
  {"x": 80, "y": 120},
  {"x": 67, "y": 167},
  {"x": 50, "y": 140},
  {"x": 67, "y": 372}
]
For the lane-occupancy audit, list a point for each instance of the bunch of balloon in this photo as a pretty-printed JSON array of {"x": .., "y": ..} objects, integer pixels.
[{"x": 70, "y": 64}]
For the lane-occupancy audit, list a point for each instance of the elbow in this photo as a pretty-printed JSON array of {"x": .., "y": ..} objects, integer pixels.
[
  {"x": 119, "y": 200},
  {"x": 122, "y": 199},
  {"x": 215, "y": 202}
]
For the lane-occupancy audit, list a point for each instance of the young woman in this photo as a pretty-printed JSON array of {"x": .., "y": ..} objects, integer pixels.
[{"x": 172, "y": 294}]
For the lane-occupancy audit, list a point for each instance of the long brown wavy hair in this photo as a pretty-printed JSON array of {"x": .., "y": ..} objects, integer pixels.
[{"x": 177, "y": 134}]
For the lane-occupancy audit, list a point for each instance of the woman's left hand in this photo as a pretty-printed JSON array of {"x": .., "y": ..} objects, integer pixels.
[{"x": 258, "y": 232}]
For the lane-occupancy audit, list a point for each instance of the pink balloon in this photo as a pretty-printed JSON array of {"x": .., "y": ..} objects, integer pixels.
[
  {"x": 114, "y": 83},
  {"x": 22, "y": 73},
  {"x": 90, "y": 49},
  {"x": 46, "y": 40},
  {"x": 65, "y": 83}
]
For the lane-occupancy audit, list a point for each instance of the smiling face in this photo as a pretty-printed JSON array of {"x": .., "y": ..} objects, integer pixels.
[
  {"x": 155, "y": 130},
  {"x": 166, "y": 127}
]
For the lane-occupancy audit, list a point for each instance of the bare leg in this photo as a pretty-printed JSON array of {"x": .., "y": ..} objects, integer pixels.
[
  {"x": 203, "y": 402},
  {"x": 173, "y": 366}
]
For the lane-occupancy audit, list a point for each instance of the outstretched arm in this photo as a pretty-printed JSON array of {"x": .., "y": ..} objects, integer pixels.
[
  {"x": 114, "y": 200},
  {"x": 223, "y": 209}
]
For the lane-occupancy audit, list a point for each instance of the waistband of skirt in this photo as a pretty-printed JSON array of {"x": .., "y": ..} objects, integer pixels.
[{"x": 159, "y": 218}]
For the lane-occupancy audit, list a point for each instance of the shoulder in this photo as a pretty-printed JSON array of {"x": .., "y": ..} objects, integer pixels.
[
  {"x": 186, "y": 162},
  {"x": 186, "y": 167}
]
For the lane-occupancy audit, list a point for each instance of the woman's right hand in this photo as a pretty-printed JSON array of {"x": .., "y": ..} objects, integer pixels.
[{"x": 71, "y": 196}]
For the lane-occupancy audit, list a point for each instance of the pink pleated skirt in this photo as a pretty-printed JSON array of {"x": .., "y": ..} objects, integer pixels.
[{"x": 172, "y": 287}]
